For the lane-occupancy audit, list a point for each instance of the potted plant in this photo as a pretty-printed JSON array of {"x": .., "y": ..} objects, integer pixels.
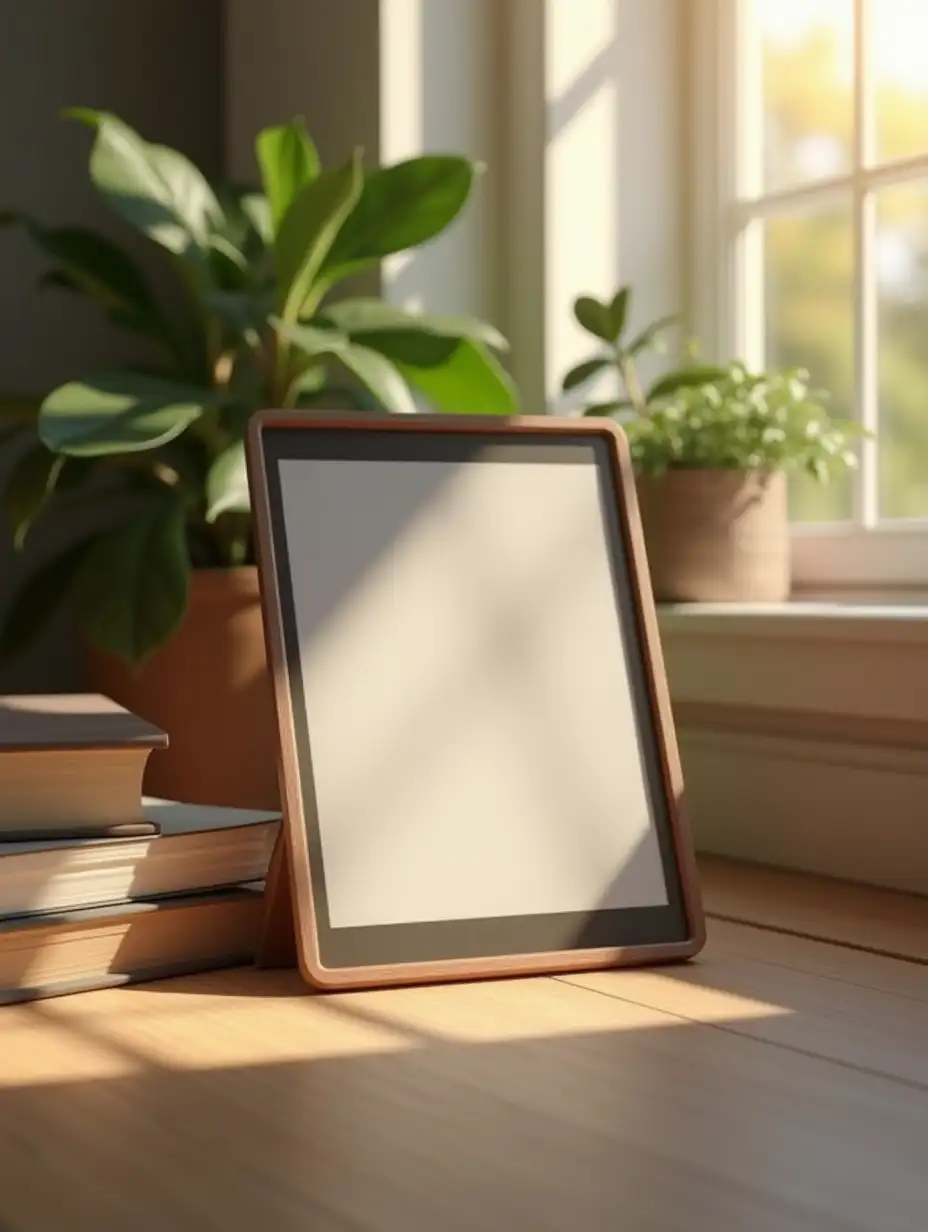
[
  {"x": 164, "y": 591},
  {"x": 712, "y": 449}
]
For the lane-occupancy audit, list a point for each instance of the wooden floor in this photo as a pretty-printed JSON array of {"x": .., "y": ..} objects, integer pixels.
[{"x": 777, "y": 1084}]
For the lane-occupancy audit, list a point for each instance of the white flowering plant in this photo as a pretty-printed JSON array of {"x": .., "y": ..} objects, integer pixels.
[
  {"x": 740, "y": 420},
  {"x": 706, "y": 417}
]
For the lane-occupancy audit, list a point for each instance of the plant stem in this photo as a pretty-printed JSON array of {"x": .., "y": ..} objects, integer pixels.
[{"x": 632, "y": 384}]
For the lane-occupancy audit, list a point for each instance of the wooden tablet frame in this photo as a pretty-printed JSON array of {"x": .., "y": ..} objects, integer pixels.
[{"x": 291, "y": 879}]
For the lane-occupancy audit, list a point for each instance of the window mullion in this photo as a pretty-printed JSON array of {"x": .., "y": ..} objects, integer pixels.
[
  {"x": 712, "y": 287},
  {"x": 866, "y": 494},
  {"x": 749, "y": 332}
]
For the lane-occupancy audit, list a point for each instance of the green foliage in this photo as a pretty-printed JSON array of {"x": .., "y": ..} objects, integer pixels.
[
  {"x": 43, "y": 593},
  {"x": 744, "y": 421},
  {"x": 307, "y": 232},
  {"x": 706, "y": 416},
  {"x": 156, "y": 189},
  {"x": 118, "y": 413},
  {"x": 470, "y": 368},
  {"x": 383, "y": 222},
  {"x": 608, "y": 323},
  {"x": 132, "y": 585},
  {"x": 257, "y": 326},
  {"x": 288, "y": 160}
]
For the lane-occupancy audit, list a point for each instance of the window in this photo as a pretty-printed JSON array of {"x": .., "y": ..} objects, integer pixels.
[{"x": 811, "y": 179}]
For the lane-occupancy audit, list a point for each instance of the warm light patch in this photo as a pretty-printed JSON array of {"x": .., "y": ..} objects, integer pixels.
[{"x": 35, "y": 1053}]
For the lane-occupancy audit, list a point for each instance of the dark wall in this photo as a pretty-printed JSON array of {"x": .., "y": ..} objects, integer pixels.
[{"x": 157, "y": 64}]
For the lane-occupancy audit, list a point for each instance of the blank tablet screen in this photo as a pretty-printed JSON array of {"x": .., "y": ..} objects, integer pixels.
[{"x": 478, "y": 755}]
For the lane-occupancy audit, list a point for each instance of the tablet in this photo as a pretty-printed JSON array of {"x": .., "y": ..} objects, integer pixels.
[{"x": 478, "y": 763}]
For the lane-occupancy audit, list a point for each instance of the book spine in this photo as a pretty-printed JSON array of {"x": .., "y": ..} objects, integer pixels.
[
  {"x": 134, "y": 829},
  {"x": 94, "y": 983},
  {"x": 67, "y": 913},
  {"x": 80, "y": 916}
]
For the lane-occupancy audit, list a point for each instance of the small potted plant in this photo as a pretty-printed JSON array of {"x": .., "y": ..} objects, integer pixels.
[
  {"x": 713, "y": 448},
  {"x": 164, "y": 591}
]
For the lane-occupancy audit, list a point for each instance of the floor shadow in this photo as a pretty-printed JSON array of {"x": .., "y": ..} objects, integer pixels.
[
  {"x": 860, "y": 1012},
  {"x": 547, "y": 1125}
]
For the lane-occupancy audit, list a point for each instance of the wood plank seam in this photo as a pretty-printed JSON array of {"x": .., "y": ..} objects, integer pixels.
[
  {"x": 868, "y": 1071},
  {"x": 805, "y": 935}
]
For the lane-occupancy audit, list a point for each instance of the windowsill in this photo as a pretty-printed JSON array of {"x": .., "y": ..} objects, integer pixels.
[
  {"x": 858, "y": 661},
  {"x": 803, "y": 729},
  {"x": 897, "y": 616}
]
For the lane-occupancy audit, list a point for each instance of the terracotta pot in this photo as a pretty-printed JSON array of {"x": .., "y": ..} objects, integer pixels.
[
  {"x": 208, "y": 688},
  {"x": 717, "y": 536}
]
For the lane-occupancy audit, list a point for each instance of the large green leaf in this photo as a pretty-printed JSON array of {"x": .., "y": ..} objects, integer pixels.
[
  {"x": 43, "y": 593},
  {"x": 315, "y": 344},
  {"x": 94, "y": 265},
  {"x": 311, "y": 381},
  {"x": 227, "y": 483},
  {"x": 401, "y": 207},
  {"x": 365, "y": 315},
  {"x": 310, "y": 339},
  {"x": 131, "y": 589},
  {"x": 229, "y": 267},
  {"x": 409, "y": 337},
  {"x": 418, "y": 347},
  {"x": 380, "y": 376},
  {"x": 37, "y": 476},
  {"x": 307, "y": 232},
  {"x": 473, "y": 382},
  {"x": 189, "y": 194},
  {"x": 377, "y": 373},
  {"x": 119, "y": 412},
  {"x": 29, "y": 484},
  {"x": 247, "y": 217},
  {"x": 256, "y": 208},
  {"x": 156, "y": 189},
  {"x": 288, "y": 160}
]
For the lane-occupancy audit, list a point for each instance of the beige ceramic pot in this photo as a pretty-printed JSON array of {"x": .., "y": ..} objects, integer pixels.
[
  {"x": 717, "y": 536},
  {"x": 208, "y": 688}
]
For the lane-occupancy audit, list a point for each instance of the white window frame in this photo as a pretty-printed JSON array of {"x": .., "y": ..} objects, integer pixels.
[{"x": 841, "y": 556}]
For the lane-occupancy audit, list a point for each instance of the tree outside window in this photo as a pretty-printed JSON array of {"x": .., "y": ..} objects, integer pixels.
[{"x": 832, "y": 219}]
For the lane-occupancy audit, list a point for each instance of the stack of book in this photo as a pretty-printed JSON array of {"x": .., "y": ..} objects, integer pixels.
[{"x": 100, "y": 885}]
